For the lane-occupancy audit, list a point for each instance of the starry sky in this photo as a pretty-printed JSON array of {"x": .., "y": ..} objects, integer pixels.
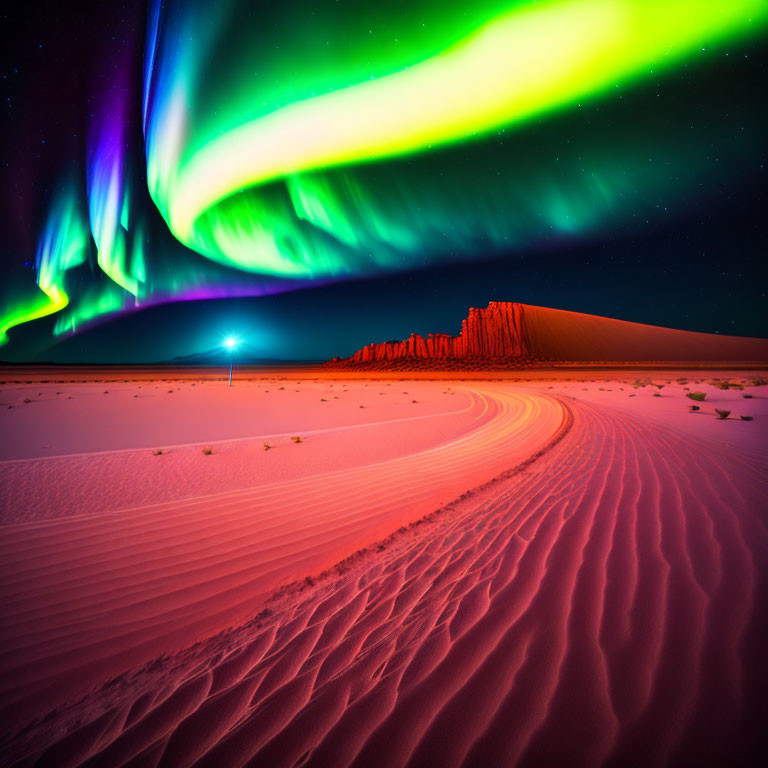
[{"x": 317, "y": 175}]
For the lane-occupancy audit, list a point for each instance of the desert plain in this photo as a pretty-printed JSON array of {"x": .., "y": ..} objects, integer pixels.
[{"x": 312, "y": 567}]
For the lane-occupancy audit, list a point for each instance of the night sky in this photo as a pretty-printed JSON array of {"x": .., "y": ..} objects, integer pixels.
[{"x": 316, "y": 176}]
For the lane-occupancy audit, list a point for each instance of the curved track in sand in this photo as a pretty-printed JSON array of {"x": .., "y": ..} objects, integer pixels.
[
  {"x": 603, "y": 604},
  {"x": 87, "y": 597}
]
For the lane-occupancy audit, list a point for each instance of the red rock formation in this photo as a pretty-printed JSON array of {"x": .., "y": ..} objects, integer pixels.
[
  {"x": 508, "y": 334},
  {"x": 496, "y": 332}
]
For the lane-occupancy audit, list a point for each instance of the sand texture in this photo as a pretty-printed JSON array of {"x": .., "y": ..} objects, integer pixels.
[{"x": 551, "y": 572}]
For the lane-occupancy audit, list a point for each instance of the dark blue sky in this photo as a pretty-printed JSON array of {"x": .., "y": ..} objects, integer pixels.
[{"x": 697, "y": 263}]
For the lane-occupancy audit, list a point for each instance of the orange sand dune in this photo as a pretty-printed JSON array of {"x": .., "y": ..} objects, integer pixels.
[
  {"x": 601, "y": 602},
  {"x": 513, "y": 335},
  {"x": 556, "y": 334}
]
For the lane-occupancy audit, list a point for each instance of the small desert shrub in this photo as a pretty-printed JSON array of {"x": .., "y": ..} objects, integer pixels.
[
  {"x": 656, "y": 394},
  {"x": 106, "y": 391},
  {"x": 170, "y": 391},
  {"x": 694, "y": 407},
  {"x": 207, "y": 450},
  {"x": 323, "y": 400},
  {"x": 747, "y": 396},
  {"x": 659, "y": 386},
  {"x": 267, "y": 446},
  {"x": 697, "y": 396},
  {"x": 157, "y": 452},
  {"x": 746, "y": 418},
  {"x": 297, "y": 439},
  {"x": 758, "y": 382},
  {"x": 722, "y": 414},
  {"x": 721, "y": 384},
  {"x": 27, "y": 400}
]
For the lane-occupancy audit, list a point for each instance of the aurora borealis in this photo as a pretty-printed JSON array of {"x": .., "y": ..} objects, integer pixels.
[{"x": 240, "y": 149}]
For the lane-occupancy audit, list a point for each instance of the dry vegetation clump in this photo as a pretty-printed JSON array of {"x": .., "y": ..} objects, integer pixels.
[
  {"x": 759, "y": 381},
  {"x": 726, "y": 384},
  {"x": 700, "y": 396},
  {"x": 694, "y": 408},
  {"x": 722, "y": 414},
  {"x": 157, "y": 452},
  {"x": 747, "y": 396},
  {"x": 27, "y": 400},
  {"x": 297, "y": 439},
  {"x": 267, "y": 446},
  {"x": 746, "y": 418},
  {"x": 207, "y": 450}
]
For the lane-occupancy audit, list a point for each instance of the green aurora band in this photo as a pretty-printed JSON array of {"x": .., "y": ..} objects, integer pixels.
[
  {"x": 63, "y": 246},
  {"x": 348, "y": 139},
  {"x": 475, "y": 72}
]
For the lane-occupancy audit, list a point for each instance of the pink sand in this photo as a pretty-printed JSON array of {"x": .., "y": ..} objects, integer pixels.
[{"x": 596, "y": 603}]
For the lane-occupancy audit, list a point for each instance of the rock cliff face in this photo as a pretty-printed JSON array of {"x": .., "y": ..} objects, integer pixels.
[
  {"x": 508, "y": 335},
  {"x": 493, "y": 334}
]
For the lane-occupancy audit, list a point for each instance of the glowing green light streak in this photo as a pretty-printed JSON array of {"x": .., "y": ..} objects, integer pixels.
[
  {"x": 521, "y": 64},
  {"x": 95, "y": 302},
  {"x": 63, "y": 246}
]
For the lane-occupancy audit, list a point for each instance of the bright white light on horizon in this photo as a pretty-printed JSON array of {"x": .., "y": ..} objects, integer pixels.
[{"x": 230, "y": 342}]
